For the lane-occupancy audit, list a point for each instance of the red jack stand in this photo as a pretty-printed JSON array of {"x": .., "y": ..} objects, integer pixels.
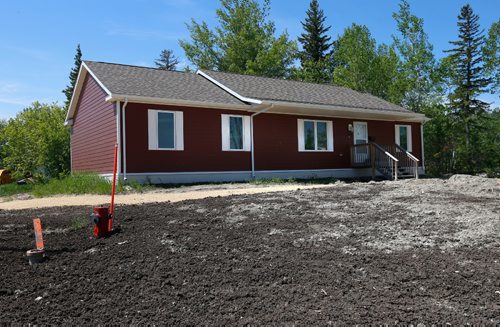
[{"x": 102, "y": 217}]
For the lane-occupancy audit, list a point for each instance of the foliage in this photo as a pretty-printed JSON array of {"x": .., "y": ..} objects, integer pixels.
[
  {"x": 73, "y": 76},
  {"x": 417, "y": 62},
  {"x": 362, "y": 66},
  {"x": 3, "y": 124},
  {"x": 491, "y": 54},
  {"x": 37, "y": 142},
  {"x": 469, "y": 82},
  {"x": 167, "y": 60},
  {"x": 243, "y": 42}
]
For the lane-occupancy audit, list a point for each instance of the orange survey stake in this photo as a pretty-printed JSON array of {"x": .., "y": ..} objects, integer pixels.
[{"x": 38, "y": 233}]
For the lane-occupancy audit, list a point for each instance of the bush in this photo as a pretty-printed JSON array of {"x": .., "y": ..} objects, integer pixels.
[{"x": 37, "y": 142}]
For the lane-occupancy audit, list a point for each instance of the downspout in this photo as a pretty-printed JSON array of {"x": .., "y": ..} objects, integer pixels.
[
  {"x": 124, "y": 133},
  {"x": 422, "y": 145},
  {"x": 118, "y": 138},
  {"x": 251, "y": 135}
]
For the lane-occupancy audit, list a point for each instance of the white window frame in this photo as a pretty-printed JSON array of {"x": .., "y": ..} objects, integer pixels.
[
  {"x": 408, "y": 136},
  {"x": 225, "y": 133},
  {"x": 329, "y": 135},
  {"x": 153, "y": 130}
]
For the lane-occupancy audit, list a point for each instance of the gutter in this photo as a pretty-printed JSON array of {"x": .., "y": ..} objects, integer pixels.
[
  {"x": 252, "y": 152},
  {"x": 124, "y": 129},
  {"x": 118, "y": 137}
]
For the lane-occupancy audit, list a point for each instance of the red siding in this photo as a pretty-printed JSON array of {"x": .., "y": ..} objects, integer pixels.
[
  {"x": 94, "y": 131},
  {"x": 276, "y": 143}
]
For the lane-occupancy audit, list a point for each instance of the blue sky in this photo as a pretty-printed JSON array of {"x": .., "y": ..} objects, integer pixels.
[{"x": 38, "y": 38}]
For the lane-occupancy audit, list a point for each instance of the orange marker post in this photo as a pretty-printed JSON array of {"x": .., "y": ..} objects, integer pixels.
[{"x": 38, "y": 234}]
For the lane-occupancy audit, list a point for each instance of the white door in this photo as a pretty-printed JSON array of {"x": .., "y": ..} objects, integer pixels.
[{"x": 360, "y": 137}]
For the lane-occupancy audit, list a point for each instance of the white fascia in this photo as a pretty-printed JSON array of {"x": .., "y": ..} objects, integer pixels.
[
  {"x": 82, "y": 73},
  {"x": 228, "y": 90}
]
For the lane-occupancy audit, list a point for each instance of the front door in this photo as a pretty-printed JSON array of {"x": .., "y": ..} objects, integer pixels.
[{"x": 360, "y": 137}]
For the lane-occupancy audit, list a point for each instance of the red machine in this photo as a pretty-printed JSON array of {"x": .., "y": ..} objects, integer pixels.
[{"x": 102, "y": 217}]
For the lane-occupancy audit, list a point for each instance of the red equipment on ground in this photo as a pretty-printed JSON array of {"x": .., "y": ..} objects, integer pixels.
[{"x": 102, "y": 217}]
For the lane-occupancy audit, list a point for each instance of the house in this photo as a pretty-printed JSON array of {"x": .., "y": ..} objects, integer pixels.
[{"x": 181, "y": 127}]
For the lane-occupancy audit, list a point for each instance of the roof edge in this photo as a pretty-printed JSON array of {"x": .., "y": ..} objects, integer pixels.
[
  {"x": 82, "y": 74},
  {"x": 227, "y": 89}
]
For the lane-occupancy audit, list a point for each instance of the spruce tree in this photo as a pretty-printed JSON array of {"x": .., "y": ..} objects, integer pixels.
[
  {"x": 468, "y": 80},
  {"x": 73, "y": 75},
  {"x": 315, "y": 43},
  {"x": 167, "y": 60}
]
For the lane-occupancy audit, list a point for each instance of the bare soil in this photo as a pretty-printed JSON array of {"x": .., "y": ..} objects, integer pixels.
[{"x": 404, "y": 252}]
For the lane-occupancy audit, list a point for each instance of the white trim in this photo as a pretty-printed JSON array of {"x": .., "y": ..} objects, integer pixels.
[
  {"x": 225, "y": 133},
  {"x": 354, "y": 123},
  {"x": 409, "y": 136},
  {"x": 82, "y": 73},
  {"x": 153, "y": 130},
  {"x": 118, "y": 139},
  {"x": 228, "y": 90},
  {"x": 329, "y": 135}
]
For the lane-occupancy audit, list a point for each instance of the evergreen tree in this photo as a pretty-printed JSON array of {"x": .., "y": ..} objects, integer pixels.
[
  {"x": 315, "y": 43},
  {"x": 73, "y": 75},
  {"x": 167, "y": 60},
  {"x": 244, "y": 42},
  {"x": 469, "y": 82}
]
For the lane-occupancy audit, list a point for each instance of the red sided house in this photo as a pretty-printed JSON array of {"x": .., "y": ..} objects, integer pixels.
[{"x": 178, "y": 127}]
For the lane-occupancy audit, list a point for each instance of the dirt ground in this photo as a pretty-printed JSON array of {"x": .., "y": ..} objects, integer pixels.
[{"x": 423, "y": 251}]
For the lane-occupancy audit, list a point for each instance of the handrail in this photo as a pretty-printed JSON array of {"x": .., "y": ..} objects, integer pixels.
[
  {"x": 407, "y": 153},
  {"x": 387, "y": 153},
  {"x": 383, "y": 161}
]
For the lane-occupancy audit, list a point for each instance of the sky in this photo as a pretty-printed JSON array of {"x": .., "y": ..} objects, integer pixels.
[{"x": 38, "y": 38}]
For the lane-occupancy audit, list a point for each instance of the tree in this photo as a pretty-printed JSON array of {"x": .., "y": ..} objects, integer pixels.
[
  {"x": 315, "y": 43},
  {"x": 362, "y": 66},
  {"x": 167, "y": 60},
  {"x": 417, "y": 60},
  {"x": 243, "y": 42},
  {"x": 37, "y": 142},
  {"x": 73, "y": 76},
  {"x": 469, "y": 83},
  {"x": 491, "y": 54},
  {"x": 3, "y": 124},
  {"x": 316, "y": 63}
]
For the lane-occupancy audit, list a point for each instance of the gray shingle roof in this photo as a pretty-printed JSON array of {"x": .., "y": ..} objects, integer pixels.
[
  {"x": 265, "y": 88},
  {"x": 151, "y": 82}
]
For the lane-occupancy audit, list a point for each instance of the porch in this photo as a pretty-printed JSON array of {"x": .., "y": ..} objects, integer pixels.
[{"x": 390, "y": 160}]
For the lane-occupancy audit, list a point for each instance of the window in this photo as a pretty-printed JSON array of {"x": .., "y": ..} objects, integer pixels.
[
  {"x": 403, "y": 137},
  {"x": 165, "y": 130},
  {"x": 235, "y": 133},
  {"x": 315, "y": 135}
]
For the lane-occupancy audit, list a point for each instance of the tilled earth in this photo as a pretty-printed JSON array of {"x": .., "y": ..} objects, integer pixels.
[{"x": 387, "y": 253}]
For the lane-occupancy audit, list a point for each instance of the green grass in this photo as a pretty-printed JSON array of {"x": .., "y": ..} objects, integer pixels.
[
  {"x": 74, "y": 184},
  {"x": 79, "y": 223},
  {"x": 12, "y": 189},
  {"x": 292, "y": 181}
]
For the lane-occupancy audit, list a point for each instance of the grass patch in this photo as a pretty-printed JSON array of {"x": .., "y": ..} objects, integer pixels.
[
  {"x": 79, "y": 223},
  {"x": 293, "y": 181},
  {"x": 13, "y": 188},
  {"x": 74, "y": 184}
]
